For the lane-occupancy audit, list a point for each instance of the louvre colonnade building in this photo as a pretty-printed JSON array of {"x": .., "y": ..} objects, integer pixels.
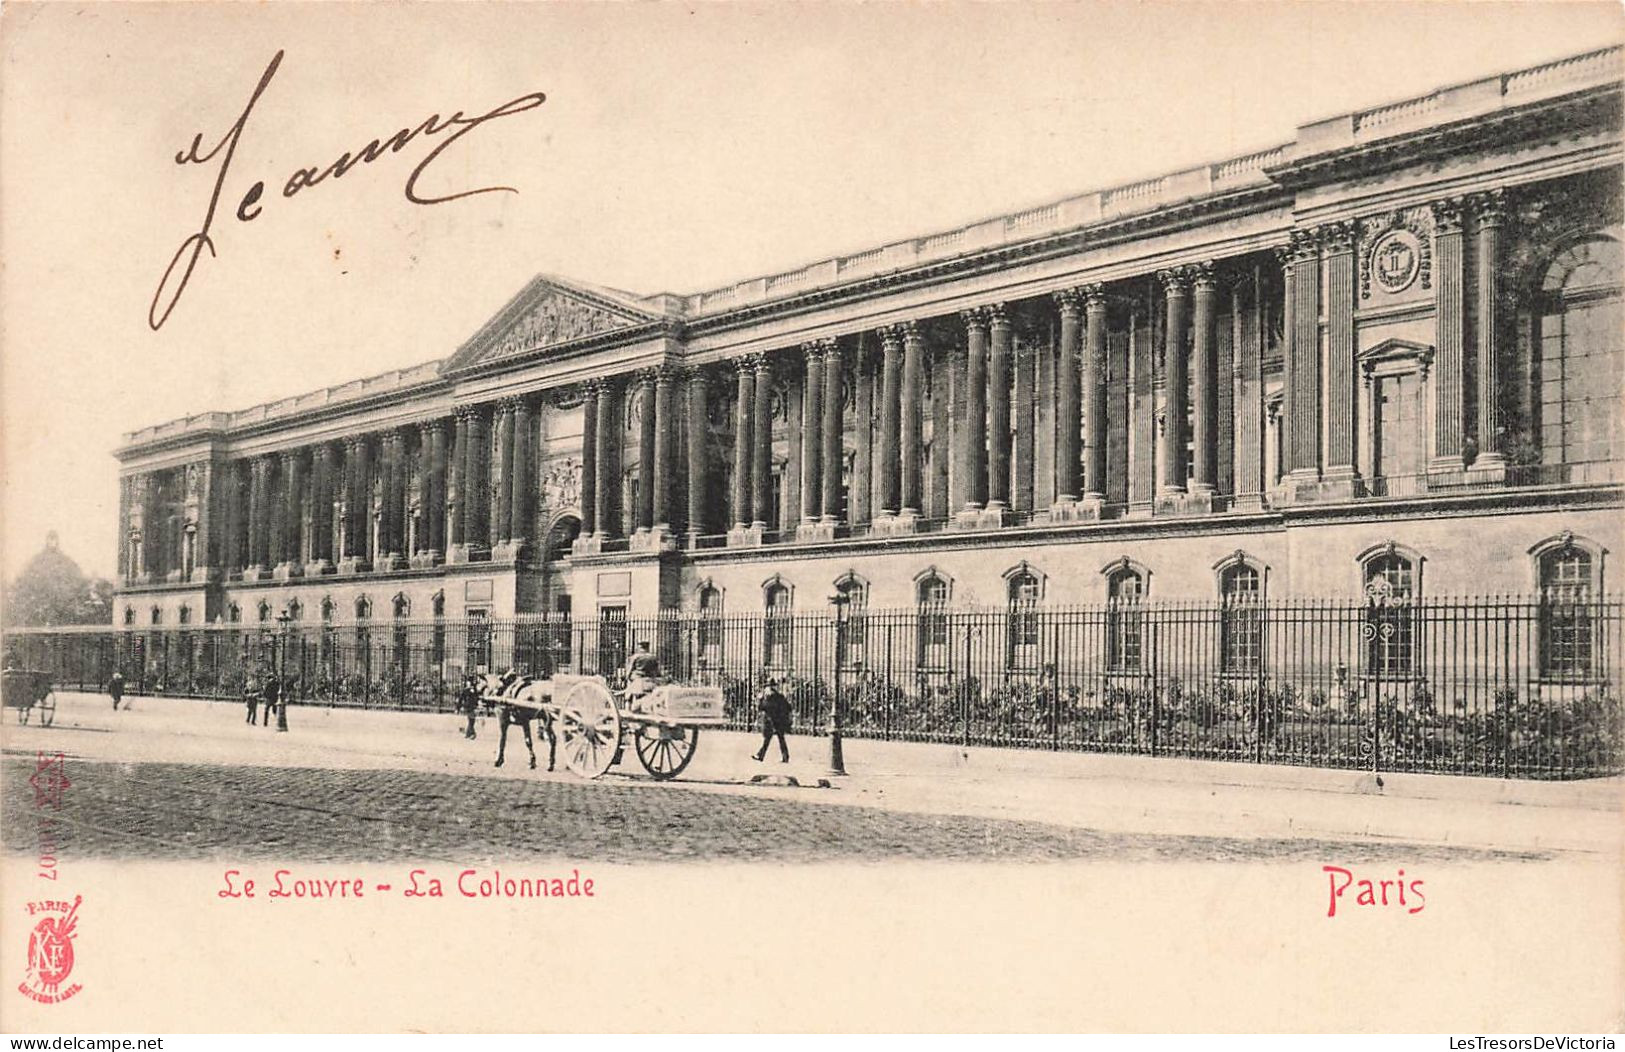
[{"x": 1385, "y": 351}]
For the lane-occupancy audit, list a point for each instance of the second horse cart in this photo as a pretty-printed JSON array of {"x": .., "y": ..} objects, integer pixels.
[
  {"x": 596, "y": 724},
  {"x": 29, "y": 690}
]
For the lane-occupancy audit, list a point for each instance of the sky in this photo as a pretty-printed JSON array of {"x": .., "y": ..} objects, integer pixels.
[{"x": 679, "y": 148}]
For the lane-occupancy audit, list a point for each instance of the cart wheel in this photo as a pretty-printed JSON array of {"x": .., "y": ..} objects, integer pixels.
[
  {"x": 592, "y": 729},
  {"x": 665, "y": 751},
  {"x": 47, "y": 709}
]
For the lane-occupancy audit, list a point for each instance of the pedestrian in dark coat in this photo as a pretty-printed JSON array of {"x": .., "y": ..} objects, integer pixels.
[
  {"x": 272, "y": 691},
  {"x": 115, "y": 687},
  {"x": 775, "y": 710},
  {"x": 251, "y": 694}
]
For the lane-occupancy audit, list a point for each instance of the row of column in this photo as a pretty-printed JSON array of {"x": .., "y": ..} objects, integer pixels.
[{"x": 264, "y": 498}]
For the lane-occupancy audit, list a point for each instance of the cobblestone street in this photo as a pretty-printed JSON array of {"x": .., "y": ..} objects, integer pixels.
[{"x": 158, "y": 810}]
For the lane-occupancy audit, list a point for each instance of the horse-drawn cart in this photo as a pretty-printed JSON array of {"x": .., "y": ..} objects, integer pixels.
[
  {"x": 596, "y": 722},
  {"x": 25, "y": 690}
]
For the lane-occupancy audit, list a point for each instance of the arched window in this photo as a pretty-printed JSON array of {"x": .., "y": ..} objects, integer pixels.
[
  {"x": 931, "y": 592},
  {"x": 1580, "y": 354},
  {"x": 184, "y": 615},
  {"x": 363, "y": 608},
  {"x": 363, "y": 640},
  {"x": 1023, "y": 589},
  {"x": 1241, "y": 593},
  {"x": 1568, "y": 575},
  {"x": 710, "y": 626},
  {"x": 129, "y": 615},
  {"x": 852, "y": 620},
  {"x": 157, "y": 616},
  {"x": 1391, "y": 590},
  {"x": 561, "y": 538},
  {"x": 402, "y": 606},
  {"x": 777, "y": 629},
  {"x": 1125, "y": 625}
]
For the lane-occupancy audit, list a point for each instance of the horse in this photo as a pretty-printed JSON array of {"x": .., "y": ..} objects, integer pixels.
[{"x": 520, "y": 700}]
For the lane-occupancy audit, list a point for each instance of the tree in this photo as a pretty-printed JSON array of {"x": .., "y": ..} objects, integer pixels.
[{"x": 52, "y": 590}]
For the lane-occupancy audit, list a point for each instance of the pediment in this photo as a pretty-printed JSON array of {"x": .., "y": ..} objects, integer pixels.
[
  {"x": 550, "y": 313},
  {"x": 1395, "y": 349}
]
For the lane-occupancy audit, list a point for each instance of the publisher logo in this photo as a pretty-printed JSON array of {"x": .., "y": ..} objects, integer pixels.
[{"x": 50, "y": 951}]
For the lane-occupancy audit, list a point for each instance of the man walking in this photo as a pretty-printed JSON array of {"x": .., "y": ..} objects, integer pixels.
[
  {"x": 251, "y": 694},
  {"x": 775, "y": 720},
  {"x": 272, "y": 691},
  {"x": 115, "y": 687}
]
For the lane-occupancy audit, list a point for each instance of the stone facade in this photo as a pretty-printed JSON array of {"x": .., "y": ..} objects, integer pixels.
[{"x": 1397, "y": 333}]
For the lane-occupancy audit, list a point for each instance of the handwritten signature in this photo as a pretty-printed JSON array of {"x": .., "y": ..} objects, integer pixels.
[{"x": 186, "y": 257}]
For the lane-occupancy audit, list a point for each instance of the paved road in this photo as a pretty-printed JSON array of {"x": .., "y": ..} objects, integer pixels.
[{"x": 188, "y": 810}]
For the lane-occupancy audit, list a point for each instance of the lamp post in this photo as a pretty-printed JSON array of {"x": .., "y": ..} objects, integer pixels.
[
  {"x": 837, "y": 762},
  {"x": 282, "y": 619}
]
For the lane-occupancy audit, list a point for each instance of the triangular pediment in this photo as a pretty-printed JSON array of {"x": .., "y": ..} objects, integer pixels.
[
  {"x": 1395, "y": 349},
  {"x": 551, "y": 312}
]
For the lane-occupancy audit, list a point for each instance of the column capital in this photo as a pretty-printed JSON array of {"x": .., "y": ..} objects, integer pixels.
[
  {"x": 1303, "y": 247},
  {"x": 745, "y": 364},
  {"x": 1490, "y": 207},
  {"x": 1203, "y": 279},
  {"x": 975, "y": 317},
  {"x": 465, "y": 413},
  {"x": 430, "y": 428},
  {"x": 813, "y": 351},
  {"x": 1070, "y": 301},
  {"x": 1338, "y": 237},
  {"x": 1094, "y": 297},
  {"x": 590, "y": 388},
  {"x": 667, "y": 373},
  {"x": 832, "y": 348},
  {"x": 997, "y": 316},
  {"x": 1175, "y": 281},
  {"x": 891, "y": 336},
  {"x": 288, "y": 456},
  {"x": 1447, "y": 215}
]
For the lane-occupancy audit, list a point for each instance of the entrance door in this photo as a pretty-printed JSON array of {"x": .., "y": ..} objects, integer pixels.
[{"x": 1393, "y": 451}]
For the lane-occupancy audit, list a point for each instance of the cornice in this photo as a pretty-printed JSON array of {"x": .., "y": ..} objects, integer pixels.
[{"x": 1594, "y": 108}]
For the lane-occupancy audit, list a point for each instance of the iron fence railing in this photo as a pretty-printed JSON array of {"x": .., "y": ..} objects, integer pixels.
[{"x": 1518, "y": 686}]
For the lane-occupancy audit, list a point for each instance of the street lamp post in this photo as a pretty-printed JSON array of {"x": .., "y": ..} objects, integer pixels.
[
  {"x": 837, "y": 762},
  {"x": 282, "y": 619}
]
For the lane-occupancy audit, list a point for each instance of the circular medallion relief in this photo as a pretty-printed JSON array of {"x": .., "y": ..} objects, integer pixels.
[{"x": 1395, "y": 260}]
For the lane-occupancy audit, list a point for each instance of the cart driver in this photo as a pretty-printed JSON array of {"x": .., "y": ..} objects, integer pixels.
[{"x": 642, "y": 672}]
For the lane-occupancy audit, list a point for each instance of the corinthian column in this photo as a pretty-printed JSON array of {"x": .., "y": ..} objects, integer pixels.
[
  {"x": 502, "y": 529},
  {"x": 458, "y": 485},
  {"x": 744, "y": 434},
  {"x": 812, "y": 450},
  {"x": 1094, "y": 390},
  {"x": 293, "y": 474},
  {"x": 975, "y": 433},
  {"x": 1071, "y": 420},
  {"x": 761, "y": 471},
  {"x": 589, "y": 460},
  {"x": 1491, "y": 210},
  {"x": 1447, "y": 362},
  {"x": 522, "y": 482},
  {"x": 665, "y": 445},
  {"x": 605, "y": 436},
  {"x": 998, "y": 410},
  {"x": 644, "y": 518},
  {"x": 699, "y": 463},
  {"x": 1205, "y": 381},
  {"x": 891, "y": 349},
  {"x": 913, "y": 387},
  {"x": 833, "y": 457},
  {"x": 1176, "y": 288}
]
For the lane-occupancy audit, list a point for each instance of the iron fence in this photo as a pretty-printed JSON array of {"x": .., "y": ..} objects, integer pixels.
[{"x": 1512, "y": 687}]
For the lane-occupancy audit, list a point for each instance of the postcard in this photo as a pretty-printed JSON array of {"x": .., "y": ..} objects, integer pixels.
[{"x": 818, "y": 518}]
